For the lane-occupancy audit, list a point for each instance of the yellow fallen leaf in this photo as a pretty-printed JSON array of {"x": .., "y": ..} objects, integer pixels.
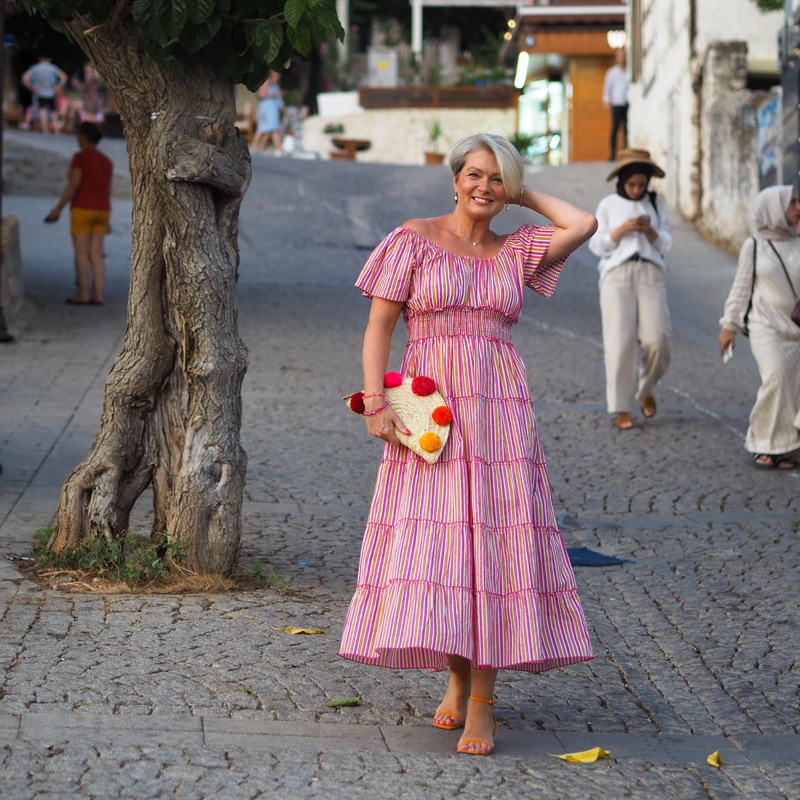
[
  {"x": 585, "y": 757},
  {"x": 291, "y": 629},
  {"x": 714, "y": 760}
]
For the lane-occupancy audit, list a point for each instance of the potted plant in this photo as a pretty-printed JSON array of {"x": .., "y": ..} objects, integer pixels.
[{"x": 435, "y": 132}]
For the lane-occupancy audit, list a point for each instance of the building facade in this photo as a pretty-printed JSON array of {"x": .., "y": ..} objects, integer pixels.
[{"x": 675, "y": 47}]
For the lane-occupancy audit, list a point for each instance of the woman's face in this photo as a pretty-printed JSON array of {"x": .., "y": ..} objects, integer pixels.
[
  {"x": 479, "y": 186},
  {"x": 635, "y": 186},
  {"x": 793, "y": 212}
]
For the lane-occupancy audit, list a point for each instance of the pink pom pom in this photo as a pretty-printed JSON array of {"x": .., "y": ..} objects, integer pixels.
[
  {"x": 392, "y": 379},
  {"x": 423, "y": 386}
]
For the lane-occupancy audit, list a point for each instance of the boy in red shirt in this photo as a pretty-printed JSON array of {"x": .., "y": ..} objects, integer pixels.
[{"x": 88, "y": 190}]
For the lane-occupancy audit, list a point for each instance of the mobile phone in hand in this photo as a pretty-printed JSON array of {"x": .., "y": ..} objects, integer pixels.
[
  {"x": 727, "y": 355},
  {"x": 644, "y": 218}
]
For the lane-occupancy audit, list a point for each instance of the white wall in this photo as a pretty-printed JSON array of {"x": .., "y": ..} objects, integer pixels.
[
  {"x": 739, "y": 20},
  {"x": 665, "y": 104},
  {"x": 399, "y": 135}
]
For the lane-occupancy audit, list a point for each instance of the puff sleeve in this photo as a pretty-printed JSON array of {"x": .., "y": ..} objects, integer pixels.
[
  {"x": 389, "y": 270},
  {"x": 530, "y": 242}
]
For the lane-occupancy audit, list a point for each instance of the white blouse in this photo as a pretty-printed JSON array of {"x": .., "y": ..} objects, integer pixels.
[
  {"x": 611, "y": 212},
  {"x": 773, "y": 300}
]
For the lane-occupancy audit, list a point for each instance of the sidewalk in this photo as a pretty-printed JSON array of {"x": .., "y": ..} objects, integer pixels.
[{"x": 205, "y": 697}]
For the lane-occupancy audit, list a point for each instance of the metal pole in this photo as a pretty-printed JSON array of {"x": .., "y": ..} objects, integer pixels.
[{"x": 5, "y": 336}]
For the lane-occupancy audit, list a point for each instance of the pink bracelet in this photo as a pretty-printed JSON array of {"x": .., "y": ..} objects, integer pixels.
[
  {"x": 373, "y": 394},
  {"x": 370, "y": 413}
]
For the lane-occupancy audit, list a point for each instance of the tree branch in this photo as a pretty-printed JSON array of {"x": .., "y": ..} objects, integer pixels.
[{"x": 199, "y": 162}]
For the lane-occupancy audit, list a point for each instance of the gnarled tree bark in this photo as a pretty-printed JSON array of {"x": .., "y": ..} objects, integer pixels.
[{"x": 172, "y": 411}]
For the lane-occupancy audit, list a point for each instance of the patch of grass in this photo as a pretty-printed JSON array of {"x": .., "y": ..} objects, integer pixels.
[
  {"x": 136, "y": 564},
  {"x": 130, "y": 558},
  {"x": 278, "y": 582}
]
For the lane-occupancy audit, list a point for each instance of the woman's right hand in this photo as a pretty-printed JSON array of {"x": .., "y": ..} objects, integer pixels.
[
  {"x": 383, "y": 425},
  {"x": 726, "y": 338}
]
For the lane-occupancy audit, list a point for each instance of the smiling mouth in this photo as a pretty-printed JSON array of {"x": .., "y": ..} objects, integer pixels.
[{"x": 482, "y": 200}]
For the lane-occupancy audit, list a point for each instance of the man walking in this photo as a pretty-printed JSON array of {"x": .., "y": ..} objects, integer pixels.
[{"x": 615, "y": 98}]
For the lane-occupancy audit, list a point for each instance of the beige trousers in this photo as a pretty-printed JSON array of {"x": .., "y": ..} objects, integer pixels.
[
  {"x": 633, "y": 305},
  {"x": 775, "y": 418}
]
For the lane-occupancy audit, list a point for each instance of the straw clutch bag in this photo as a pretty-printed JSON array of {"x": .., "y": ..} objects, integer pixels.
[{"x": 421, "y": 408}]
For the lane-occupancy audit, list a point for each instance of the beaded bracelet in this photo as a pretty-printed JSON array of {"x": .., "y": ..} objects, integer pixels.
[
  {"x": 370, "y": 413},
  {"x": 374, "y": 394}
]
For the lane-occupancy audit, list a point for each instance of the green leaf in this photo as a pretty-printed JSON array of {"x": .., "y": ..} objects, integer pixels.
[
  {"x": 146, "y": 21},
  {"x": 196, "y": 37},
  {"x": 172, "y": 15},
  {"x": 201, "y": 10},
  {"x": 300, "y": 39},
  {"x": 267, "y": 42},
  {"x": 294, "y": 10},
  {"x": 351, "y": 701}
]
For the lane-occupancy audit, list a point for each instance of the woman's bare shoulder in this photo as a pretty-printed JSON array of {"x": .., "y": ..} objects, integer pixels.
[{"x": 428, "y": 227}]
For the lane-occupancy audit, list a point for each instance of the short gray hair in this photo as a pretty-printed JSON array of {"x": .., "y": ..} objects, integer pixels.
[{"x": 509, "y": 161}]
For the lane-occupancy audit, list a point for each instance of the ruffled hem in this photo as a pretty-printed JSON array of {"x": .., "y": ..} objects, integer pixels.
[{"x": 415, "y": 625}]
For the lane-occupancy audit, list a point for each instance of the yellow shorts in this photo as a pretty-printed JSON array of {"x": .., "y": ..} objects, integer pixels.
[{"x": 89, "y": 220}]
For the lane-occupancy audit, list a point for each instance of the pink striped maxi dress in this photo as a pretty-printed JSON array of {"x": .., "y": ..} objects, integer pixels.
[{"x": 464, "y": 556}]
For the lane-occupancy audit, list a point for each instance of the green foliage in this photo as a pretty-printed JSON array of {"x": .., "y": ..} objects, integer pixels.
[
  {"x": 770, "y": 5},
  {"x": 333, "y": 128},
  {"x": 127, "y": 559},
  {"x": 521, "y": 141},
  {"x": 435, "y": 132},
  {"x": 242, "y": 38}
]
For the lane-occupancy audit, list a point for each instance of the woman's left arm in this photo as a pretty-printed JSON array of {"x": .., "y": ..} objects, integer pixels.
[{"x": 573, "y": 225}]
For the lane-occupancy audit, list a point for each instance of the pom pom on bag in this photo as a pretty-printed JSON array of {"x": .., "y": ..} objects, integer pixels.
[{"x": 422, "y": 410}]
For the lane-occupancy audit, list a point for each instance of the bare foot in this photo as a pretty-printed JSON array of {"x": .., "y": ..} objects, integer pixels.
[
  {"x": 624, "y": 420},
  {"x": 479, "y": 729},
  {"x": 453, "y": 708}
]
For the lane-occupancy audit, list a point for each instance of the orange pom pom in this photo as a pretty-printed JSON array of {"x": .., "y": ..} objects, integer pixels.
[
  {"x": 430, "y": 442},
  {"x": 442, "y": 415}
]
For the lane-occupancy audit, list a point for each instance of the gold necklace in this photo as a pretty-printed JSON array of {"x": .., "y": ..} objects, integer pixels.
[{"x": 466, "y": 238}]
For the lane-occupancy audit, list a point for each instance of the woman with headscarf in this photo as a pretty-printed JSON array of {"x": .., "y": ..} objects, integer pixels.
[
  {"x": 632, "y": 239},
  {"x": 760, "y": 302}
]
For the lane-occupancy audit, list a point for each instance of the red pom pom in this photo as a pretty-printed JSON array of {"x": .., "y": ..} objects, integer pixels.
[
  {"x": 357, "y": 403},
  {"x": 423, "y": 386},
  {"x": 442, "y": 415},
  {"x": 392, "y": 379}
]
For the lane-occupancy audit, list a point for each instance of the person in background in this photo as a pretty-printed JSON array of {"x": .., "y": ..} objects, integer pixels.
[
  {"x": 615, "y": 99},
  {"x": 92, "y": 89},
  {"x": 88, "y": 190},
  {"x": 270, "y": 105},
  {"x": 632, "y": 239},
  {"x": 761, "y": 300},
  {"x": 45, "y": 81}
]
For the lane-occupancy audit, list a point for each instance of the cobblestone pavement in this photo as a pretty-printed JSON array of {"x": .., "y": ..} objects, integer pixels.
[{"x": 205, "y": 697}]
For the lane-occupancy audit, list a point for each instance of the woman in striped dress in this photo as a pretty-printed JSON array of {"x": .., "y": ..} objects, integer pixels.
[{"x": 462, "y": 564}]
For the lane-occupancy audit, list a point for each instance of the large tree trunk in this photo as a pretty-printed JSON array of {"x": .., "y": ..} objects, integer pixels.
[{"x": 172, "y": 410}]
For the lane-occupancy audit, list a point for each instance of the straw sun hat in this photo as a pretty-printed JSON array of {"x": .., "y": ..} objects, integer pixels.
[
  {"x": 632, "y": 155},
  {"x": 422, "y": 410}
]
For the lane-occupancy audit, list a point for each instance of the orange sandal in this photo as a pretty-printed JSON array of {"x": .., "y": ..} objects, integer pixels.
[
  {"x": 450, "y": 713},
  {"x": 490, "y": 745}
]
